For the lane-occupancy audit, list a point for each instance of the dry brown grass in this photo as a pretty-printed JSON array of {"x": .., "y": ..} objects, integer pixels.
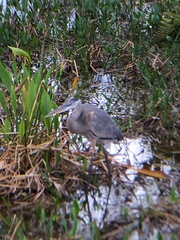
[{"x": 28, "y": 173}]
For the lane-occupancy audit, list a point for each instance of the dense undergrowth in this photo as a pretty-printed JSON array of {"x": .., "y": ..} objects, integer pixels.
[
  {"x": 64, "y": 44},
  {"x": 68, "y": 39}
]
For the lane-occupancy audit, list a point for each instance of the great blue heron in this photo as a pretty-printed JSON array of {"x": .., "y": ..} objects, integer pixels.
[{"x": 92, "y": 122}]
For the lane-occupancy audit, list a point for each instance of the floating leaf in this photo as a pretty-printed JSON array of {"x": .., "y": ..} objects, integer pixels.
[
  {"x": 155, "y": 173},
  {"x": 20, "y": 52}
]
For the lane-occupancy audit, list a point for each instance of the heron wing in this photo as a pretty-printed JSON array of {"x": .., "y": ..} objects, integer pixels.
[{"x": 101, "y": 125}]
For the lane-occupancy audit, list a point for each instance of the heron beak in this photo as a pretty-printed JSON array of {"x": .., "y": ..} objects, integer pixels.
[{"x": 61, "y": 109}]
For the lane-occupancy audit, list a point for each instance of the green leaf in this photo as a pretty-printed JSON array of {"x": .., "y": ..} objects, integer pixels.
[
  {"x": 15, "y": 68},
  {"x": 95, "y": 233},
  {"x": 6, "y": 125},
  {"x": 76, "y": 205},
  {"x": 24, "y": 99},
  {"x": 49, "y": 72},
  {"x": 26, "y": 73},
  {"x": 74, "y": 229},
  {"x": 46, "y": 108},
  {"x": 173, "y": 194},
  {"x": 20, "y": 52},
  {"x": 43, "y": 215},
  {"x": 56, "y": 117},
  {"x": 159, "y": 236},
  {"x": 3, "y": 101},
  {"x": 5, "y": 77},
  {"x": 37, "y": 78},
  {"x": 21, "y": 130},
  {"x": 31, "y": 98},
  {"x": 13, "y": 100},
  {"x": 45, "y": 103}
]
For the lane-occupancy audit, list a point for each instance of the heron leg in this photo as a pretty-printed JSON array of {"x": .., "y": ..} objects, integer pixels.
[
  {"x": 93, "y": 144},
  {"x": 90, "y": 168},
  {"x": 108, "y": 165}
]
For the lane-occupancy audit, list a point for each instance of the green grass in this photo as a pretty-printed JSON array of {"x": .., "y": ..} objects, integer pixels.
[{"x": 122, "y": 39}]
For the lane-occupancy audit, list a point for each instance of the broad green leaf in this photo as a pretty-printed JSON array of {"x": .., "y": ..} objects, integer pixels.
[
  {"x": 31, "y": 98},
  {"x": 45, "y": 109},
  {"x": 45, "y": 103},
  {"x": 43, "y": 215},
  {"x": 49, "y": 72},
  {"x": 6, "y": 125},
  {"x": 3, "y": 101},
  {"x": 13, "y": 100},
  {"x": 173, "y": 194},
  {"x": 5, "y": 77},
  {"x": 24, "y": 99},
  {"x": 76, "y": 205},
  {"x": 55, "y": 118},
  {"x": 15, "y": 68},
  {"x": 20, "y": 52},
  {"x": 75, "y": 227},
  {"x": 26, "y": 73},
  {"x": 56, "y": 123},
  {"x": 37, "y": 78},
  {"x": 21, "y": 130}
]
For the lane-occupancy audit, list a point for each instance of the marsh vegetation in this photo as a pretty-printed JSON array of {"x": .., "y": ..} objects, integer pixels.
[{"x": 123, "y": 56}]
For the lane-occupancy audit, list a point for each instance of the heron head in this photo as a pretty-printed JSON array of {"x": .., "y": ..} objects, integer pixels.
[{"x": 69, "y": 104}]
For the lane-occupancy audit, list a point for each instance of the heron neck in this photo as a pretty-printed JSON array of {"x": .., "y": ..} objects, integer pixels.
[{"x": 78, "y": 110}]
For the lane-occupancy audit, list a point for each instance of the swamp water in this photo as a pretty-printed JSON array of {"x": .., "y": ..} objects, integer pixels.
[
  {"x": 117, "y": 209},
  {"x": 135, "y": 204}
]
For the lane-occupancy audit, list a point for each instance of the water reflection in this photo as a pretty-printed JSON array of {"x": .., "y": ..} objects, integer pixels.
[
  {"x": 109, "y": 206},
  {"x": 114, "y": 205},
  {"x": 132, "y": 152}
]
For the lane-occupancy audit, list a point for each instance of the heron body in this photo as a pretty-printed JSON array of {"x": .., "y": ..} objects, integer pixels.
[{"x": 90, "y": 121}]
